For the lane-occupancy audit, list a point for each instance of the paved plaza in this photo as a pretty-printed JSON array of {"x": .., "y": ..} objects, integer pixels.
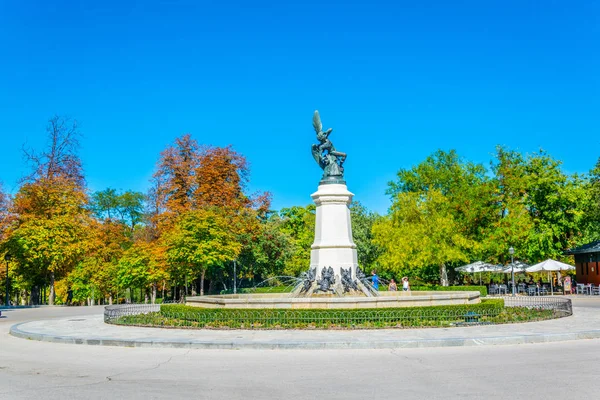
[
  {"x": 91, "y": 330},
  {"x": 32, "y": 369}
]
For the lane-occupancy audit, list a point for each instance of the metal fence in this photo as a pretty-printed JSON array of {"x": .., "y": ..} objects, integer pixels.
[
  {"x": 559, "y": 305},
  {"x": 516, "y": 309}
]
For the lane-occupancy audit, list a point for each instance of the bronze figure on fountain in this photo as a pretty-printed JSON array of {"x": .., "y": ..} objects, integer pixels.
[{"x": 329, "y": 159}]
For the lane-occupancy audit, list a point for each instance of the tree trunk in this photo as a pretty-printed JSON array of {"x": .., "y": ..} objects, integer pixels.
[
  {"x": 202, "y": 282},
  {"x": 52, "y": 292},
  {"x": 154, "y": 293},
  {"x": 110, "y": 299},
  {"x": 443, "y": 275}
]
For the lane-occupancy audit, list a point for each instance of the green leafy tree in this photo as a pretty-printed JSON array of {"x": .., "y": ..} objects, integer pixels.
[
  {"x": 143, "y": 266},
  {"x": 465, "y": 212},
  {"x": 540, "y": 209},
  {"x": 590, "y": 223},
  {"x": 362, "y": 234},
  {"x": 201, "y": 240},
  {"x": 465, "y": 185},
  {"x": 266, "y": 248},
  {"x": 298, "y": 223},
  {"x": 126, "y": 208},
  {"x": 419, "y": 232}
]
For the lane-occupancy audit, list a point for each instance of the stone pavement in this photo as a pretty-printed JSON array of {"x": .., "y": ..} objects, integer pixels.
[{"x": 91, "y": 330}]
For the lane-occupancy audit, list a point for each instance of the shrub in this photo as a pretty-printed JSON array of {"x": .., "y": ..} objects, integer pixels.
[{"x": 188, "y": 316}]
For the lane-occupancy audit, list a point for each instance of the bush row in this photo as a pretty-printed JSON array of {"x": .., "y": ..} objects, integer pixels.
[{"x": 187, "y": 316}]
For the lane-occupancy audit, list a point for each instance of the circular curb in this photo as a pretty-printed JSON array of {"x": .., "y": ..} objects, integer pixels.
[{"x": 305, "y": 345}]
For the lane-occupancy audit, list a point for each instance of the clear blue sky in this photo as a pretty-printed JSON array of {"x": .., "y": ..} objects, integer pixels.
[{"x": 395, "y": 79}]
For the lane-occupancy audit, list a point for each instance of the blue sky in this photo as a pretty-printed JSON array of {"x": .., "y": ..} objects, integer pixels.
[{"x": 395, "y": 79}]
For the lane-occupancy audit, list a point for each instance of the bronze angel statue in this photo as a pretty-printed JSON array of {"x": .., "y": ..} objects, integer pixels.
[{"x": 325, "y": 154}]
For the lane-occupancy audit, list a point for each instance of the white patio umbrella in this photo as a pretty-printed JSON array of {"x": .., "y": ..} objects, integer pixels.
[
  {"x": 550, "y": 265},
  {"x": 519, "y": 266},
  {"x": 479, "y": 266}
]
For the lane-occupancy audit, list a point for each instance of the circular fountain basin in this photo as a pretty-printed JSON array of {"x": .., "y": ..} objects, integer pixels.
[{"x": 284, "y": 300}]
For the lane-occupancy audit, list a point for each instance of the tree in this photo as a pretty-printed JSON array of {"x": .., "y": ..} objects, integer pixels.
[
  {"x": 143, "y": 266},
  {"x": 126, "y": 208},
  {"x": 511, "y": 222},
  {"x": 266, "y": 248},
  {"x": 200, "y": 240},
  {"x": 174, "y": 180},
  {"x": 446, "y": 188},
  {"x": 131, "y": 209},
  {"x": 298, "y": 223},
  {"x": 556, "y": 204},
  {"x": 464, "y": 184},
  {"x": 591, "y": 221},
  {"x": 111, "y": 241},
  {"x": 540, "y": 210},
  {"x": 59, "y": 160},
  {"x": 104, "y": 204},
  {"x": 421, "y": 231},
  {"x": 50, "y": 233},
  {"x": 362, "y": 233},
  {"x": 221, "y": 177},
  {"x": 7, "y": 217}
]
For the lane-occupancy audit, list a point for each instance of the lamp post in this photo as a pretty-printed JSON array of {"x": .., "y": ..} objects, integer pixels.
[
  {"x": 234, "y": 279},
  {"x": 7, "y": 258},
  {"x": 511, "y": 251}
]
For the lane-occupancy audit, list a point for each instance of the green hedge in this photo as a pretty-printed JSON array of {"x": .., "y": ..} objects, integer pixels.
[
  {"x": 489, "y": 311},
  {"x": 187, "y": 316},
  {"x": 480, "y": 289}
]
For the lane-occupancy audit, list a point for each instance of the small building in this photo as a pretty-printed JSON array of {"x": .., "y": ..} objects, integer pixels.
[{"x": 586, "y": 262}]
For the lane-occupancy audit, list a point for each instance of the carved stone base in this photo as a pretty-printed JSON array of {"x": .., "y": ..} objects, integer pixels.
[{"x": 333, "y": 246}]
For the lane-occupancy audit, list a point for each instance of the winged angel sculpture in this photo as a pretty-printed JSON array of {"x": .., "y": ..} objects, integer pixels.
[{"x": 325, "y": 154}]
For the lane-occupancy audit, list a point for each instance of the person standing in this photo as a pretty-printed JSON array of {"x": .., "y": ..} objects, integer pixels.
[
  {"x": 392, "y": 287},
  {"x": 375, "y": 280},
  {"x": 405, "y": 284}
]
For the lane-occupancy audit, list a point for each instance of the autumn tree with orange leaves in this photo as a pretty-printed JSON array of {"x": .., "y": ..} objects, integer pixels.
[
  {"x": 49, "y": 235},
  {"x": 192, "y": 185}
]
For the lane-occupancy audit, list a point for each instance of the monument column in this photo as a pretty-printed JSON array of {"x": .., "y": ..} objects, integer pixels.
[
  {"x": 333, "y": 245},
  {"x": 333, "y": 258}
]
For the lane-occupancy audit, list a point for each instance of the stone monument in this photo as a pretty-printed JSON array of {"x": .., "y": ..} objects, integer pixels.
[{"x": 333, "y": 258}]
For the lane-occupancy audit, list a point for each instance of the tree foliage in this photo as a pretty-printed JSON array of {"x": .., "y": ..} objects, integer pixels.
[
  {"x": 50, "y": 233},
  {"x": 199, "y": 218},
  {"x": 298, "y": 223}
]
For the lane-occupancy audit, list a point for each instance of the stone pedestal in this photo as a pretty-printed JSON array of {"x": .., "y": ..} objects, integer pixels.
[{"x": 333, "y": 246}]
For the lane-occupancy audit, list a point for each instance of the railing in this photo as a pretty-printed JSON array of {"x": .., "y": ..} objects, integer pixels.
[
  {"x": 116, "y": 311},
  {"x": 559, "y": 305},
  {"x": 516, "y": 309}
]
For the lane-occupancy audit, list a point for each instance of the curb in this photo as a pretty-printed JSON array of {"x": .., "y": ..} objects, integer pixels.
[{"x": 320, "y": 345}]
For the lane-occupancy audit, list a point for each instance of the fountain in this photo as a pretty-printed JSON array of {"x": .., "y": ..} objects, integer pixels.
[{"x": 334, "y": 279}]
